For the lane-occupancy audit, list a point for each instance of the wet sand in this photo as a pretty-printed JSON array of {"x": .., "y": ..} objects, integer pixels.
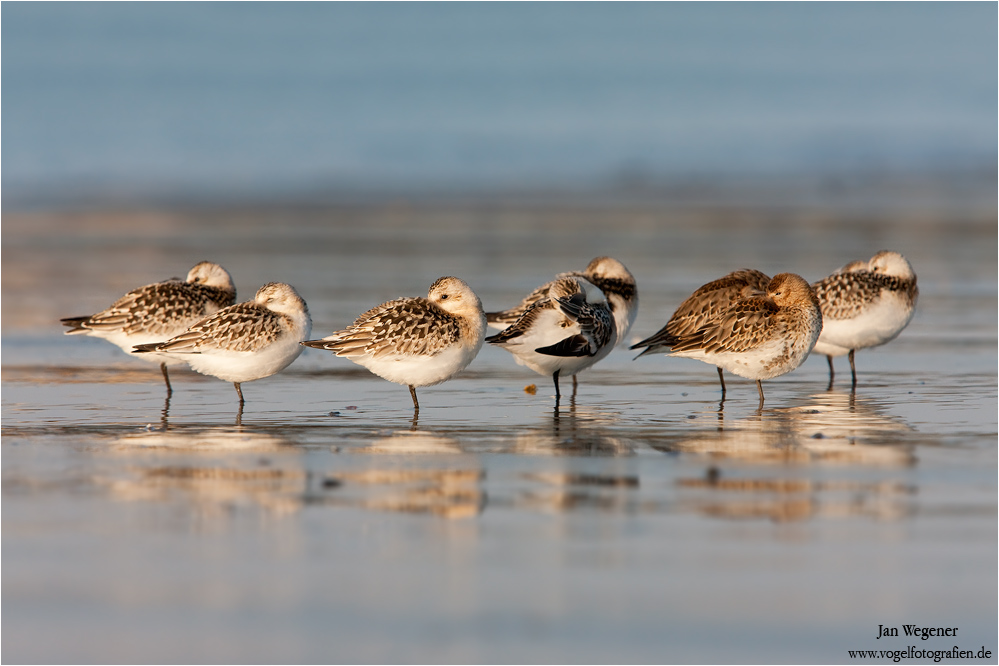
[{"x": 643, "y": 521}]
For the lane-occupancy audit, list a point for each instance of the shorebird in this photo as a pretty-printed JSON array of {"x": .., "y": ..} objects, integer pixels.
[
  {"x": 565, "y": 331},
  {"x": 159, "y": 311},
  {"x": 704, "y": 306},
  {"x": 246, "y": 341},
  {"x": 415, "y": 341},
  {"x": 610, "y": 276},
  {"x": 865, "y": 304},
  {"x": 759, "y": 337}
]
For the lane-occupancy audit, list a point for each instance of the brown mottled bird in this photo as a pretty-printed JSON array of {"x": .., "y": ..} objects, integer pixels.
[
  {"x": 702, "y": 307},
  {"x": 245, "y": 341},
  {"x": 415, "y": 341},
  {"x": 159, "y": 311},
  {"x": 759, "y": 337}
]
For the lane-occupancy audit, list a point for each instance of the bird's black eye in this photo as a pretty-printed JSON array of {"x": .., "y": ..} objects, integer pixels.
[{"x": 444, "y": 297}]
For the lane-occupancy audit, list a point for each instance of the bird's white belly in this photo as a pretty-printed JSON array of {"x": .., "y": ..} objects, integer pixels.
[
  {"x": 420, "y": 370},
  {"x": 545, "y": 364},
  {"x": 829, "y": 349},
  {"x": 547, "y": 332},
  {"x": 233, "y": 366},
  {"x": 876, "y": 326},
  {"x": 127, "y": 341}
]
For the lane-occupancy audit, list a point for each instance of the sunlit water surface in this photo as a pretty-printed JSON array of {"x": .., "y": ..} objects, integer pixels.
[{"x": 642, "y": 520}]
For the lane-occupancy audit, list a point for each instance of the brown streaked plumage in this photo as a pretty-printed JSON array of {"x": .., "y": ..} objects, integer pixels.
[
  {"x": 245, "y": 341},
  {"x": 415, "y": 341},
  {"x": 703, "y": 306},
  {"x": 759, "y": 337},
  {"x": 159, "y": 311}
]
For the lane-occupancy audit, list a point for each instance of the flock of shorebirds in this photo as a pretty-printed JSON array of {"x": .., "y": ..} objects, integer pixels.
[{"x": 750, "y": 324}]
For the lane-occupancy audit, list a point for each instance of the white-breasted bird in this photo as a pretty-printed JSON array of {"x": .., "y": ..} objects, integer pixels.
[
  {"x": 159, "y": 311},
  {"x": 245, "y": 341},
  {"x": 562, "y": 333},
  {"x": 865, "y": 304},
  {"x": 415, "y": 341}
]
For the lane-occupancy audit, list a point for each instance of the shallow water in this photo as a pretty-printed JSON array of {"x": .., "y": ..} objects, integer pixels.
[{"x": 642, "y": 520}]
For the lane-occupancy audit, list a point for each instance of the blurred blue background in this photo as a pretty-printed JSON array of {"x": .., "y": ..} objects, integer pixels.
[{"x": 182, "y": 101}]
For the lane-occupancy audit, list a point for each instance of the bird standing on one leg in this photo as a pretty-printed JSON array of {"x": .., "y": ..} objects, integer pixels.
[
  {"x": 415, "y": 341},
  {"x": 618, "y": 290},
  {"x": 246, "y": 341},
  {"x": 563, "y": 333},
  {"x": 159, "y": 311}
]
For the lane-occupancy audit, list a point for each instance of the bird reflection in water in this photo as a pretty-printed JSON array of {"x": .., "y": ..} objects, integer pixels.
[
  {"x": 572, "y": 433},
  {"x": 216, "y": 472},
  {"x": 720, "y": 495},
  {"x": 447, "y": 493},
  {"x": 165, "y": 413},
  {"x": 830, "y": 429},
  {"x": 273, "y": 477},
  {"x": 559, "y": 492}
]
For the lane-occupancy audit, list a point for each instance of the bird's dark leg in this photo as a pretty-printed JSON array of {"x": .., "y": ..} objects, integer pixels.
[
  {"x": 166, "y": 378},
  {"x": 832, "y": 373},
  {"x": 165, "y": 414},
  {"x": 721, "y": 378},
  {"x": 239, "y": 392},
  {"x": 558, "y": 395},
  {"x": 759, "y": 387},
  {"x": 416, "y": 403},
  {"x": 853, "y": 369},
  {"x": 574, "y": 386}
]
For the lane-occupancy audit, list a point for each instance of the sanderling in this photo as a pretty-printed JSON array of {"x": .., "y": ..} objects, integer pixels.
[
  {"x": 865, "y": 304},
  {"x": 159, "y": 311},
  {"x": 415, "y": 341},
  {"x": 608, "y": 274},
  {"x": 246, "y": 341},
  {"x": 760, "y": 337},
  {"x": 702, "y": 307},
  {"x": 562, "y": 333}
]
